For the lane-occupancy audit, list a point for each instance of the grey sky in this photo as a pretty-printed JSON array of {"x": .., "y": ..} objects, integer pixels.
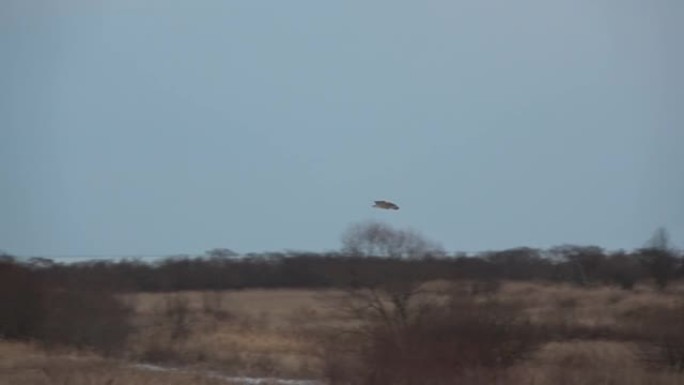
[{"x": 167, "y": 126}]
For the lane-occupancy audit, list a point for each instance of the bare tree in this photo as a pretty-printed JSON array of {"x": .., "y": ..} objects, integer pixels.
[
  {"x": 377, "y": 239},
  {"x": 660, "y": 240},
  {"x": 659, "y": 258},
  {"x": 387, "y": 290},
  {"x": 383, "y": 292}
]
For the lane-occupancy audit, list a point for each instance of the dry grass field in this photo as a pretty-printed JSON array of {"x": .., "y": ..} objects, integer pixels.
[
  {"x": 26, "y": 364},
  {"x": 282, "y": 334},
  {"x": 251, "y": 332}
]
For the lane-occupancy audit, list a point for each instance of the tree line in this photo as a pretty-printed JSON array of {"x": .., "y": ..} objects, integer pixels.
[{"x": 372, "y": 254}]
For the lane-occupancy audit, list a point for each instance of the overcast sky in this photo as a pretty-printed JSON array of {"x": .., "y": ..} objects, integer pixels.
[{"x": 153, "y": 127}]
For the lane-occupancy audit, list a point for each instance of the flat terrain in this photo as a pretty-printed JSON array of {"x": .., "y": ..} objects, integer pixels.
[{"x": 282, "y": 334}]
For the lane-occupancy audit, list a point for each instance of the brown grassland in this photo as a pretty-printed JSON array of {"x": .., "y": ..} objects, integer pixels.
[{"x": 286, "y": 333}]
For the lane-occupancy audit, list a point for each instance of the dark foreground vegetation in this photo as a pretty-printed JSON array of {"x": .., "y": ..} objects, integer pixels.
[{"x": 391, "y": 326}]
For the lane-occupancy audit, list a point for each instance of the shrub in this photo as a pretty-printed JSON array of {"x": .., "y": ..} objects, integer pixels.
[
  {"x": 661, "y": 265},
  {"x": 31, "y": 309},
  {"x": 622, "y": 269},
  {"x": 662, "y": 331},
  {"x": 213, "y": 306},
  {"x": 438, "y": 342},
  {"x": 94, "y": 320},
  {"x": 21, "y": 301},
  {"x": 177, "y": 312}
]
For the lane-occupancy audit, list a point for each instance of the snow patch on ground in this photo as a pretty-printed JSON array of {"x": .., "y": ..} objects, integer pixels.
[{"x": 232, "y": 379}]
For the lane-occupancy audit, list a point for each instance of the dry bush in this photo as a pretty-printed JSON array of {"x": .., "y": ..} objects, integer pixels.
[
  {"x": 469, "y": 339},
  {"x": 177, "y": 314},
  {"x": 622, "y": 269},
  {"x": 171, "y": 323},
  {"x": 213, "y": 306},
  {"x": 31, "y": 309},
  {"x": 94, "y": 320},
  {"x": 661, "y": 333},
  {"x": 432, "y": 343},
  {"x": 589, "y": 363},
  {"x": 21, "y": 301}
]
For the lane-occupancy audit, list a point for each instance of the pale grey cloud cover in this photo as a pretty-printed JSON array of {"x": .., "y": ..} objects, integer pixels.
[{"x": 157, "y": 127}]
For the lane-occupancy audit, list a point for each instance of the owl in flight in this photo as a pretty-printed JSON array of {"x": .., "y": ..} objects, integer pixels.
[{"x": 386, "y": 205}]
